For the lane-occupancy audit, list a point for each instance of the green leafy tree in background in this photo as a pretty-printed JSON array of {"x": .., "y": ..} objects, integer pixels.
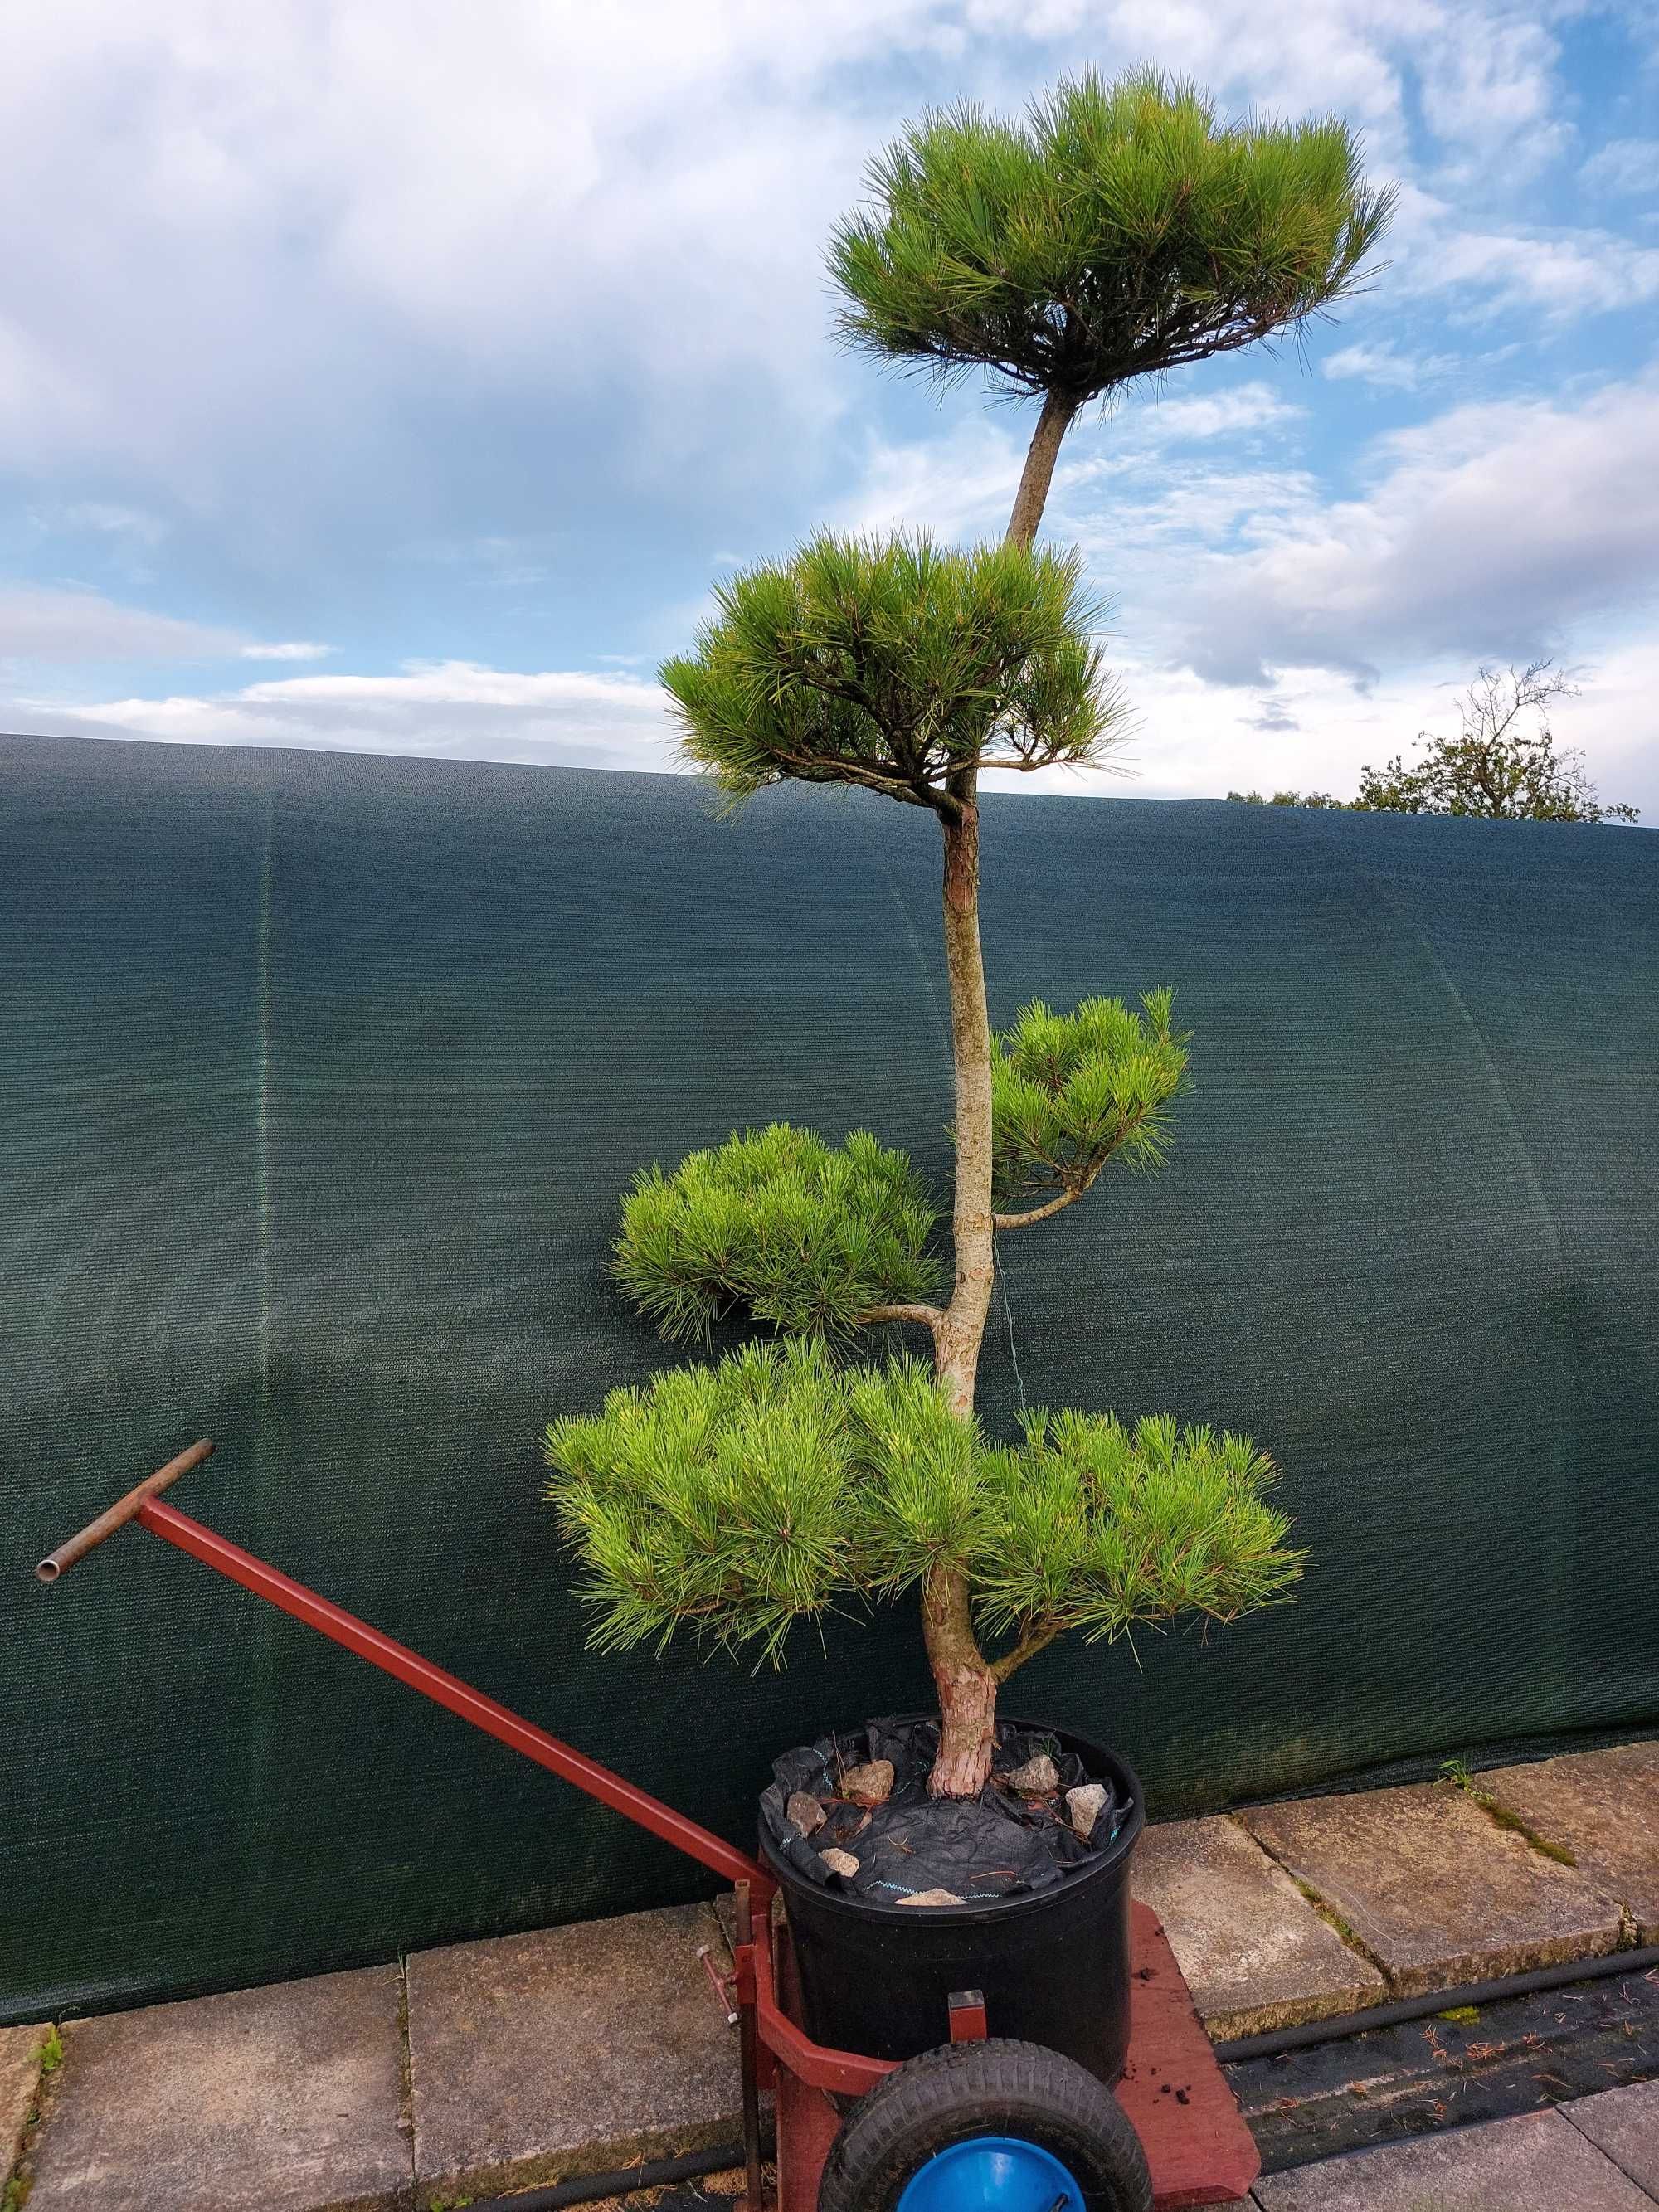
[
  {"x": 1321, "y": 801},
  {"x": 1122, "y": 231},
  {"x": 1503, "y": 763}
]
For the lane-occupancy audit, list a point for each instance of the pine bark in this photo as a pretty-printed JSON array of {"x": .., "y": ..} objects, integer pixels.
[
  {"x": 966, "y": 1687},
  {"x": 963, "y": 1329},
  {"x": 965, "y": 1681},
  {"x": 1039, "y": 471}
]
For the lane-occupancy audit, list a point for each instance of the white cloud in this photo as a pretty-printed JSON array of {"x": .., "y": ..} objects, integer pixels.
[
  {"x": 302, "y": 275},
  {"x": 1489, "y": 87},
  {"x": 1489, "y": 530},
  {"x": 43, "y": 622},
  {"x": 1615, "y": 720},
  {"x": 1156, "y": 423},
  {"x": 449, "y": 709},
  {"x": 1623, "y": 165},
  {"x": 961, "y": 483},
  {"x": 1192, "y": 739},
  {"x": 1381, "y": 364},
  {"x": 1195, "y": 740},
  {"x": 294, "y": 650},
  {"x": 1565, "y": 274},
  {"x": 281, "y": 227},
  {"x": 1480, "y": 271},
  {"x": 100, "y": 518}
]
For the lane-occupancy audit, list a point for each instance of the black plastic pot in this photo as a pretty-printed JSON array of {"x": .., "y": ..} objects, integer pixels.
[{"x": 1053, "y": 1964}]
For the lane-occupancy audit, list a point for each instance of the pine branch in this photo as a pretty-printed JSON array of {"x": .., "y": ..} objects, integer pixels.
[
  {"x": 739, "y": 1498},
  {"x": 1122, "y": 230},
  {"x": 1068, "y": 1197},
  {"x": 1073, "y": 1091},
  {"x": 928, "y": 1317},
  {"x": 806, "y": 1236},
  {"x": 1032, "y": 1640}
]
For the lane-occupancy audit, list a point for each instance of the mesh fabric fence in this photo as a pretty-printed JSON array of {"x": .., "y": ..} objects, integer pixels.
[{"x": 322, "y": 1077}]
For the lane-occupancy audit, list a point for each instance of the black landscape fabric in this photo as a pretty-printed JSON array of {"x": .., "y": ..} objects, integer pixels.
[
  {"x": 1003, "y": 1843},
  {"x": 322, "y": 1076}
]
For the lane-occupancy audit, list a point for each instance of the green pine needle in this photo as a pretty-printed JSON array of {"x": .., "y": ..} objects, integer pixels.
[
  {"x": 739, "y": 1498},
  {"x": 1123, "y": 229},
  {"x": 805, "y": 1235},
  {"x": 1070, "y": 1091},
  {"x": 891, "y": 664}
]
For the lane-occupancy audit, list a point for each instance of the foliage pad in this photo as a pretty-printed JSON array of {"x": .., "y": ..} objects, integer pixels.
[
  {"x": 1122, "y": 230},
  {"x": 892, "y": 663},
  {"x": 809, "y": 1237},
  {"x": 1068, "y": 1091},
  {"x": 740, "y": 1497}
]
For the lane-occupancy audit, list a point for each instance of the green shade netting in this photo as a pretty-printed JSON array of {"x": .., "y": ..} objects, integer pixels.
[{"x": 322, "y": 1078}]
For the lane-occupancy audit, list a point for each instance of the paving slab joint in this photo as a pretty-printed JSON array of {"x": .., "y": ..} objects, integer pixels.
[
  {"x": 1501, "y": 1817},
  {"x": 1605, "y": 1805},
  {"x": 1630, "y": 1927},
  {"x": 1327, "y": 1911},
  {"x": 16, "y": 2177},
  {"x": 405, "y": 2070}
]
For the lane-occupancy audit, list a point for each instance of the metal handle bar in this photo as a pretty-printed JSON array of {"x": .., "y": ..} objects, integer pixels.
[
  {"x": 356, "y": 1636},
  {"x": 124, "y": 1509}
]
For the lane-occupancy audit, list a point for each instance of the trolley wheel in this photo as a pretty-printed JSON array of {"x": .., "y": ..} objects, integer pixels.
[{"x": 994, "y": 2126}]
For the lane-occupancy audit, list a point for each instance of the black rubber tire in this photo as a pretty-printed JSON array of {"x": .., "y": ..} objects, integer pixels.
[{"x": 996, "y": 2087}]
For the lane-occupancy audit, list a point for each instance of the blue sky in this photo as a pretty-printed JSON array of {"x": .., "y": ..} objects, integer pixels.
[{"x": 387, "y": 375}]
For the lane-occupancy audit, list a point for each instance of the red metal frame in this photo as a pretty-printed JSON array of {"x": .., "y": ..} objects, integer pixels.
[
  {"x": 843, "y": 2073},
  {"x": 1207, "y": 2158},
  {"x": 454, "y": 1694}
]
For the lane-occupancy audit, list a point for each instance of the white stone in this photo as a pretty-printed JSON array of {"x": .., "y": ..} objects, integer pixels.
[
  {"x": 1085, "y": 1804},
  {"x": 804, "y": 1813},
  {"x": 868, "y": 1785}
]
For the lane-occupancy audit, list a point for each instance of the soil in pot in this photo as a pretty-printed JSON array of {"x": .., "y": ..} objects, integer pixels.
[{"x": 896, "y": 1899}]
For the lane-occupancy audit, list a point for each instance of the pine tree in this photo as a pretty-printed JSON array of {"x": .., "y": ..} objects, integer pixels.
[{"x": 1122, "y": 232}]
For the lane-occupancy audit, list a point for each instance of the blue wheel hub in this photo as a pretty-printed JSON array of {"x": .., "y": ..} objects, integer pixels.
[{"x": 992, "y": 2173}]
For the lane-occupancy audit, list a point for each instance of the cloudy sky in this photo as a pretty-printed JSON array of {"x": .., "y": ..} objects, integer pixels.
[{"x": 390, "y": 375}]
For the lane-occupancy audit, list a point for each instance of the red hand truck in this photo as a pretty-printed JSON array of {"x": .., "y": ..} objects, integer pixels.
[{"x": 841, "y": 2123}]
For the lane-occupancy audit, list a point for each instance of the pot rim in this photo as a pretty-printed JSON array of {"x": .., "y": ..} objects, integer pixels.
[{"x": 1110, "y": 1860}]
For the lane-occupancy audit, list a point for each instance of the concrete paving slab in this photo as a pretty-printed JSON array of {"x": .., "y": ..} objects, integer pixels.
[
  {"x": 1256, "y": 1954},
  {"x": 279, "y": 2099},
  {"x": 20, "y": 2078},
  {"x": 1625, "y": 2124},
  {"x": 570, "y": 2051},
  {"x": 1538, "y": 2163},
  {"x": 1435, "y": 1892},
  {"x": 1603, "y": 1806}
]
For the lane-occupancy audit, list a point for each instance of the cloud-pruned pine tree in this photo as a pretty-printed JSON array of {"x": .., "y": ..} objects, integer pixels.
[{"x": 1122, "y": 231}]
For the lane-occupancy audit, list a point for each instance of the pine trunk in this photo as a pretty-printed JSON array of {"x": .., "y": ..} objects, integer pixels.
[
  {"x": 963, "y": 1326},
  {"x": 1038, "y": 473},
  {"x": 966, "y": 1686}
]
